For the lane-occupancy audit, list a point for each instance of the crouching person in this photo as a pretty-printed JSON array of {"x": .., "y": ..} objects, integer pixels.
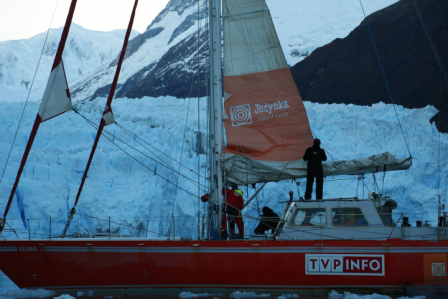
[{"x": 269, "y": 220}]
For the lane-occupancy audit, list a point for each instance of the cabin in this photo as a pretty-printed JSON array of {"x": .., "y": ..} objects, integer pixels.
[{"x": 350, "y": 219}]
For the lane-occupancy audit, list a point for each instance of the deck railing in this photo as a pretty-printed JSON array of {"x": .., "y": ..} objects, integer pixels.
[{"x": 183, "y": 227}]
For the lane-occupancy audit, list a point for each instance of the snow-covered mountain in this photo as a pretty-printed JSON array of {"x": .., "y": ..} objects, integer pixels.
[
  {"x": 86, "y": 51},
  {"x": 167, "y": 50},
  {"x": 170, "y": 61}
]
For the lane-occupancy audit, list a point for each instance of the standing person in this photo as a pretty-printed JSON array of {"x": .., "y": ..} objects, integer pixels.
[
  {"x": 234, "y": 205},
  {"x": 314, "y": 155}
]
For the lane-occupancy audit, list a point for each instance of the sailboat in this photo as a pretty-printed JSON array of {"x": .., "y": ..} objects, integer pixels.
[{"x": 260, "y": 131}]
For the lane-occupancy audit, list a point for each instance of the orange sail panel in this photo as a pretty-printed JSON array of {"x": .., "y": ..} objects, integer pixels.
[
  {"x": 266, "y": 125},
  {"x": 266, "y": 119}
]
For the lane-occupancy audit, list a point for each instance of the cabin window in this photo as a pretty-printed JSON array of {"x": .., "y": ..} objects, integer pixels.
[
  {"x": 348, "y": 217},
  {"x": 309, "y": 217}
]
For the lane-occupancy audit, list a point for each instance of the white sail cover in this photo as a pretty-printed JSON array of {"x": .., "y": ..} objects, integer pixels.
[{"x": 56, "y": 99}]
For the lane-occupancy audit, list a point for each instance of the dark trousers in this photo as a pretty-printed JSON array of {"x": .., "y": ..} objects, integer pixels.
[{"x": 319, "y": 184}]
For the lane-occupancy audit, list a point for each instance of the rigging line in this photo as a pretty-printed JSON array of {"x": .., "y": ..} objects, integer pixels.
[
  {"x": 122, "y": 141},
  {"x": 364, "y": 186},
  {"x": 385, "y": 79},
  {"x": 198, "y": 144},
  {"x": 161, "y": 163},
  {"x": 107, "y": 132},
  {"x": 145, "y": 142},
  {"x": 207, "y": 132},
  {"x": 316, "y": 231},
  {"x": 186, "y": 121},
  {"x": 138, "y": 161},
  {"x": 198, "y": 56},
  {"x": 178, "y": 171},
  {"x": 29, "y": 92},
  {"x": 332, "y": 151},
  {"x": 440, "y": 104},
  {"x": 442, "y": 72},
  {"x": 431, "y": 43},
  {"x": 137, "y": 138}
]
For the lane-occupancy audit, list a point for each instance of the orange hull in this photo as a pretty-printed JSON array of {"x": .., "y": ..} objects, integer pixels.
[{"x": 94, "y": 263}]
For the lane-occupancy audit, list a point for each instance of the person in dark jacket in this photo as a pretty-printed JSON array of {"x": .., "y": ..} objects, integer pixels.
[
  {"x": 269, "y": 220},
  {"x": 314, "y": 155}
]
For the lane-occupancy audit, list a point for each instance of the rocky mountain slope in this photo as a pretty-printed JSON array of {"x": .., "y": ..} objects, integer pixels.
[
  {"x": 168, "y": 59},
  {"x": 410, "y": 37}
]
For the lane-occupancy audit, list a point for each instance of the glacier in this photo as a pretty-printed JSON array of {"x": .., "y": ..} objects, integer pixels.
[{"x": 135, "y": 183}]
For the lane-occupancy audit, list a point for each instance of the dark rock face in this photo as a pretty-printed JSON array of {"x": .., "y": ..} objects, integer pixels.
[
  {"x": 181, "y": 72},
  {"x": 347, "y": 70}
]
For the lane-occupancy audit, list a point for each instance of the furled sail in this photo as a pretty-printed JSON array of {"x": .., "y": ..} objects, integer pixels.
[
  {"x": 298, "y": 169},
  {"x": 266, "y": 125}
]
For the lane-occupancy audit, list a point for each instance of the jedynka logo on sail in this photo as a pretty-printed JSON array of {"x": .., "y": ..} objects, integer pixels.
[
  {"x": 344, "y": 264},
  {"x": 242, "y": 115}
]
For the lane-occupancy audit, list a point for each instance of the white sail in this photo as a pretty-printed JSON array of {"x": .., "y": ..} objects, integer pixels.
[
  {"x": 266, "y": 123},
  {"x": 56, "y": 99}
]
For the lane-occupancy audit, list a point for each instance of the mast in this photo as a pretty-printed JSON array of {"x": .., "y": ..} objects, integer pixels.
[
  {"x": 56, "y": 100},
  {"x": 107, "y": 118},
  {"x": 215, "y": 117}
]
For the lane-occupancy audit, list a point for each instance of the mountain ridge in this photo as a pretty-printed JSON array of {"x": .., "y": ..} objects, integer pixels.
[
  {"x": 86, "y": 51},
  {"x": 180, "y": 72}
]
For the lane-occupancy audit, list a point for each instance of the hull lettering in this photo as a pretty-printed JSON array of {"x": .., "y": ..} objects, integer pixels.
[
  {"x": 26, "y": 249},
  {"x": 344, "y": 264}
]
